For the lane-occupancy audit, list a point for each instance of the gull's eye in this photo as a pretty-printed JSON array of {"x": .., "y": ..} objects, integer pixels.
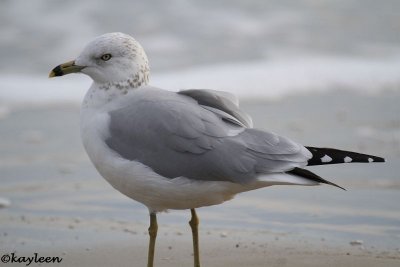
[{"x": 106, "y": 57}]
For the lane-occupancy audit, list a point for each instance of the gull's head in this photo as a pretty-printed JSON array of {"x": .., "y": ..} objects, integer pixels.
[{"x": 112, "y": 58}]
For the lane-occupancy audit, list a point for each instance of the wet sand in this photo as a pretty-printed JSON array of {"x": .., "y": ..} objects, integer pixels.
[{"x": 120, "y": 243}]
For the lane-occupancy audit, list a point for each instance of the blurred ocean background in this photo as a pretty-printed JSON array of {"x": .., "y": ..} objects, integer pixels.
[
  {"x": 325, "y": 73},
  {"x": 252, "y": 48}
]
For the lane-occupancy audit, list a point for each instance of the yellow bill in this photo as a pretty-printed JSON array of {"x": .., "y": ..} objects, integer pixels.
[{"x": 65, "y": 68}]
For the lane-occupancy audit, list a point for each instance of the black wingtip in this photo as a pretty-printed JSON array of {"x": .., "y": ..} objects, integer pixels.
[
  {"x": 323, "y": 156},
  {"x": 335, "y": 185},
  {"x": 378, "y": 159},
  {"x": 312, "y": 176}
]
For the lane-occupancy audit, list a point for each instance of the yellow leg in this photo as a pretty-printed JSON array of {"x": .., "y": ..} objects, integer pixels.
[
  {"x": 194, "y": 223},
  {"x": 153, "y": 234}
]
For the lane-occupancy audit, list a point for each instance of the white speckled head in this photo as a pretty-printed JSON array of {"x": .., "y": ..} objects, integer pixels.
[{"x": 115, "y": 59}]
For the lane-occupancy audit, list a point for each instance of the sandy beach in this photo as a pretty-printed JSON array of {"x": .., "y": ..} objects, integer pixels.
[
  {"x": 118, "y": 245},
  {"x": 55, "y": 203}
]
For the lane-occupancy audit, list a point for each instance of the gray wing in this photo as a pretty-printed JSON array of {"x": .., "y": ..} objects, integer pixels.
[
  {"x": 218, "y": 102},
  {"x": 176, "y": 137}
]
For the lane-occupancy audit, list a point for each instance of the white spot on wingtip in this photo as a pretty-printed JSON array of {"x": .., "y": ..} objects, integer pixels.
[
  {"x": 370, "y": 160},
  {"x": 348, "y": 159},
  {"x": 326, "y": 158}
]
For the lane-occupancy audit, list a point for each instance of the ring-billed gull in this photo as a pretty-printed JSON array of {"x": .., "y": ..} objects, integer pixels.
[{"x": 180, "y": 150}]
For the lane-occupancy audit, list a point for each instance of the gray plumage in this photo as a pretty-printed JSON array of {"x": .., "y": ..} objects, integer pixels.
[
  {"x": 219, "y": 102},
  {"x": 199, "y": 135}
]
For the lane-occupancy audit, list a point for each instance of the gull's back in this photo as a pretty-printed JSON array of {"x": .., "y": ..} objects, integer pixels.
[{"x": 177, "y": 137}]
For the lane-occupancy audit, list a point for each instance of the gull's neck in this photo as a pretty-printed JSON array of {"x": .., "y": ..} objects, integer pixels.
[
  {"x": 138, "y": 79},
  {"x": 101, "y": 94}
]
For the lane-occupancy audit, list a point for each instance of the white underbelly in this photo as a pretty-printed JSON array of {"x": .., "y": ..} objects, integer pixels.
[
  {"x": 158, "y": 193},
  {"x": 141, "y": 183}
]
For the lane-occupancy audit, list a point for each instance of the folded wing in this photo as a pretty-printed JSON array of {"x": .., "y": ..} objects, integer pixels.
[{"x": 177, "y": 136}]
